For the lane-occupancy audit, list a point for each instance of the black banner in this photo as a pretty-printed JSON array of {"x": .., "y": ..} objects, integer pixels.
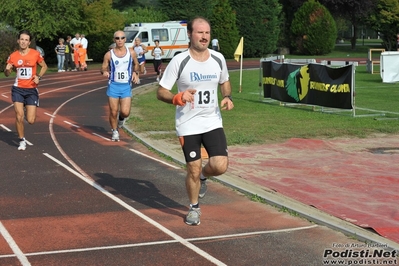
[{"x": 311, "y": 84}]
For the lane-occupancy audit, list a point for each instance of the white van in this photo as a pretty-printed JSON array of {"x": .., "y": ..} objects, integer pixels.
[{"x": 172, "y": 36}]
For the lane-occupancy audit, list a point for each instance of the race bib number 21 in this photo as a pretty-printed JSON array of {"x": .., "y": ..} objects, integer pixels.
[{"x": 24, "y": 73}]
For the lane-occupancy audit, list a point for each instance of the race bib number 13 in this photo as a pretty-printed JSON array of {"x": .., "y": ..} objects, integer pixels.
[{"x": 204, "y": 99}]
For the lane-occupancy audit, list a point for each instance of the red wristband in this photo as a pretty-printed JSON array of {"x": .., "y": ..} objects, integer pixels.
[{"x": 177, "y": 99}]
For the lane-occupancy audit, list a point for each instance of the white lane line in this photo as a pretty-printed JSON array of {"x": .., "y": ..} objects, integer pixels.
[
  {"x": 69, "y": 123},
  {"x": 5, "y": 128},
  {"x": 48, "y": 114},
  {"x": 98, "y": 135},
  {"x": 155, "y": 159},
  {"x": 287, "y": 230},
  {"x": 17, "y": 251},
  {"x": 29, "y": 143},
  {"x": 139, "y": 214},
  {"x": 5, "y": 96}
]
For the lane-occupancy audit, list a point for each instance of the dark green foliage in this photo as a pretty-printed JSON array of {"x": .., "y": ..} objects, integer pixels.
[
  {"x": 187, "y": 10},
  {"x": 385, "y": 20},
  {"x": 223, "y": 25},
  {"x": 355, "y": 11},
  {"x": 8, "y": 43},
  {"x": 258, "y": 22},
  {"x": 313, "y": 29}
]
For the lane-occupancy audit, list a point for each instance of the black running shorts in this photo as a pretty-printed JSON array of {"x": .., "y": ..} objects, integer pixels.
[{"x": 213, "y": 141}]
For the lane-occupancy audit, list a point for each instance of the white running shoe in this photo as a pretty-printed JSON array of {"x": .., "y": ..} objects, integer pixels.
[
  {"x": 22, "y": 145},
  {"x": 145, "y": 71},
  {"x": 193, "y": 216},
  {"x": 121, "y": 122},
  {"x": 115, "y": 135}
]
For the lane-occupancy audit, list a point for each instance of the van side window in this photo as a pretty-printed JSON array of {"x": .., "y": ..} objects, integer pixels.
[
  {"x": 160, "y": 34},
  {"x": 144, "y": 36}
]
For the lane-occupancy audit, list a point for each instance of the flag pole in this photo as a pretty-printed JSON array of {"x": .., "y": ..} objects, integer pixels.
[
  {"x": 240, "y": 75},
  {"x": 238, "y": 56}
]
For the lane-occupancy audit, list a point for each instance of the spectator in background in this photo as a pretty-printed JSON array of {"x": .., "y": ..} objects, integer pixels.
[
  {"x": 68, "y": 54},
  {"x": 75, "y": 43},
  {"x": 60, "y": 51},
  {"x": 83, "y": 52},
  {"x": 157, "y": 53},
  {"x": 215, "y": 45}
]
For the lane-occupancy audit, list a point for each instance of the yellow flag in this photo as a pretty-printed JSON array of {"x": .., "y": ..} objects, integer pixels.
[{"x": 239, "y": 50}]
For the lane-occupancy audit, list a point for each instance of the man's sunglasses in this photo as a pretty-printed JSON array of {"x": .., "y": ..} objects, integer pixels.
[{"x": 120, "y": 38}]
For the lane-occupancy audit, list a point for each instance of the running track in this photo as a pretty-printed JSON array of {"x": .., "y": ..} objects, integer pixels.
[{"x": 76, "y": 198}]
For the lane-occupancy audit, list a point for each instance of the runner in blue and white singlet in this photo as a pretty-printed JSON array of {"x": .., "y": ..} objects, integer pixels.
[
  {"x": 140, "y": 50},
  {"x": 121, "y": 67}
]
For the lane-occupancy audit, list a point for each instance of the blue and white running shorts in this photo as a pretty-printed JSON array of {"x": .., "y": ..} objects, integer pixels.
[{"x": 119, "y": 90}]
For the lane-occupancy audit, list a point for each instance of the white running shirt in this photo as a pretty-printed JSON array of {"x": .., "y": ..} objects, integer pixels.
[
  {"x": 202, "y": 115},
  {"x": 157, "y": 53},
  {"x": 121, "y": 67},
  {"x": 138, "y": 49}
]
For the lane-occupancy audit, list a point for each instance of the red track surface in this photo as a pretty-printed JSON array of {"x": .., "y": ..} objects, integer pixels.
[{"x": 75, "y": 198}]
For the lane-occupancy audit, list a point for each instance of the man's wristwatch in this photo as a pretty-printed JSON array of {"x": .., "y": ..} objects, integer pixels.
[
  {"x": 40, "y": 77},
  {"x": 228, "y": 96}
]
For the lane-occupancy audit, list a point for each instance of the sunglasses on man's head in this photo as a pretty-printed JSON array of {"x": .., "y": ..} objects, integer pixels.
[{"x": 120, "y": 38}]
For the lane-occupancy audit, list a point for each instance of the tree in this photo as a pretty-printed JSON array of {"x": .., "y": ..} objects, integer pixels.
[
  {"x": 224, "y": 27},
  {"x": 144, "y": 14},
  {"x": 385, "y": 19},
  {"x": 124, "y": 4},
  {"x": 289, "y": 8},
  {"x": 97, "y": 28},
  {"x": 187, "y": 10},
  {"x": 314, "y": 29},
  {"x": 8, "y": 44},
  {"x": 44, "y": 19},
  {"x": 258, "y": 23},
  {"x": 356, "y": 11}
]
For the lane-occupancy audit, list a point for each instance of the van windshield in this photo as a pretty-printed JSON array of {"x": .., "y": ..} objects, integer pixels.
[{"x": 130, "y": 35}]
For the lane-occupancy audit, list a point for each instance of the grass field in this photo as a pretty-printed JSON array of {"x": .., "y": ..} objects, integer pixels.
[{"x": 253, "y": 121}]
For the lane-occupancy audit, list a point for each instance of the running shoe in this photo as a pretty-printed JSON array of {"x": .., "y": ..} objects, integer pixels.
[
  {"x": 203, "y": 188},
  {"x": 193, "y": 216},
  {"x": 157, "y": 79},
  {"x": 22, "y": 145},
  {"x": 121, "y": 122},
  {"x": 115, "y": 135}
]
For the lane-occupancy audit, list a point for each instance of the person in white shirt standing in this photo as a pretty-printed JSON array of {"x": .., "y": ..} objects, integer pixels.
[
  {"x": 198, "y": 73},
  {"x": 75, "y": 45},
  {"x": 215, "y": 45},
  {"x": 83, "y": 53}
]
